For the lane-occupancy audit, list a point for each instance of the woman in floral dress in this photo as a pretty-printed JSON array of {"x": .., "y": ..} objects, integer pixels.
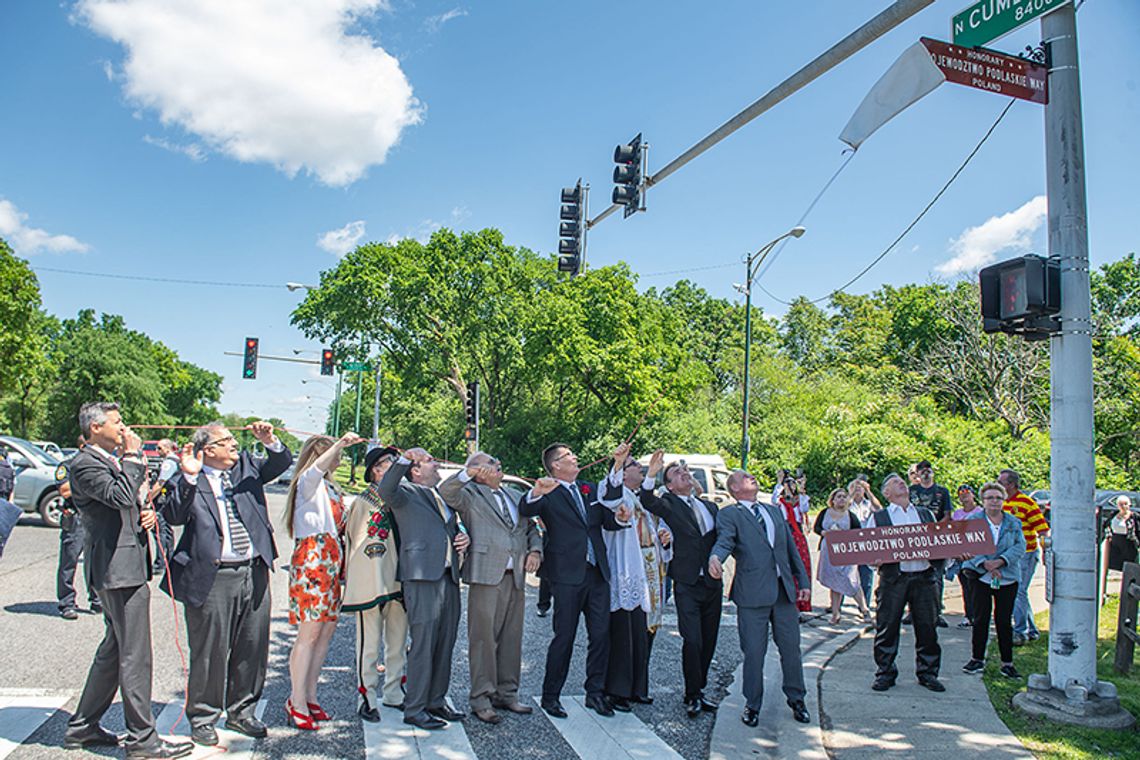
[{"x": 314, "y": 516}]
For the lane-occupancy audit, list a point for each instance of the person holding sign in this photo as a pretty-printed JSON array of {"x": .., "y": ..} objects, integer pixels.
[{"x": 993, "y": 580}]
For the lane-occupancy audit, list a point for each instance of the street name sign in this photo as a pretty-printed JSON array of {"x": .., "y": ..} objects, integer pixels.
[
  {"x": 986, "y": 20},
  {"x": 990, "y": 71},
  {"x": 356, "y": 367},
  {"x": 899, "y": 543}
]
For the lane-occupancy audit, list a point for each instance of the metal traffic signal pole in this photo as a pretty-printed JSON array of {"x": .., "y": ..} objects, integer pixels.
[{"x": 1070, "y": 692}]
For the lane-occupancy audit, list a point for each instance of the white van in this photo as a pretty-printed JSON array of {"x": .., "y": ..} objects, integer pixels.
[{"x": 708, "y": 469}]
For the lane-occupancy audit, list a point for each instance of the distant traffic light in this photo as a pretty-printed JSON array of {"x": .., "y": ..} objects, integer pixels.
[
  {"x": 471, "y": 405},
  {"x": 1020, "y": 296},
  {"x": 571, "y": 229},
  {"x": 327, "y": 367},
  {"x": 249, "y": 363},
  {"x": 628, "y": 175}
]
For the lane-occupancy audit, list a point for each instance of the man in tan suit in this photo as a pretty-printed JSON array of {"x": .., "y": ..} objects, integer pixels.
[{"x": 504, "y": 547}]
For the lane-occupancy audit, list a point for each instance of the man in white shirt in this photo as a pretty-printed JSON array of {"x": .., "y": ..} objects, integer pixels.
[{"x": 910, "y": 582}]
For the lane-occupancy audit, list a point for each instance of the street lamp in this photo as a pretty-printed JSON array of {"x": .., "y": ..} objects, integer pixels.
[
  {"x": 295, "y": 286},
  {"x": 751, "y": 262}
]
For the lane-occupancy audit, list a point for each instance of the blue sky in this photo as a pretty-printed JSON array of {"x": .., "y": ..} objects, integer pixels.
[{"x": 194, "y": 141}]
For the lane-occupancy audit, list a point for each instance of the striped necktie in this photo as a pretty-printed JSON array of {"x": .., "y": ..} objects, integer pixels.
[{"x": 239, "y": 536}]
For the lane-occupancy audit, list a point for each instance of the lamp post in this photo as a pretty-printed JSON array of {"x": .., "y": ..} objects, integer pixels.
[{"x": 751, "y": 262}]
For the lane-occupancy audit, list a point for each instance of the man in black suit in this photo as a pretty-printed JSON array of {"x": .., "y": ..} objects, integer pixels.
[
  {"x": 107, "y": 492},
  {"x": 579, "y": 574},
  {"x": 220, "y": 572},
  {"x": 698, "y": 596}
]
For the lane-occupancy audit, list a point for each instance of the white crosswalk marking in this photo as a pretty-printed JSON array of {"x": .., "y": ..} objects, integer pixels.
[
  {"x": 392, "y": 739},
  {"x": 171, "y": 723},
  {"x": 618, "y": 737},
  {"x": 22, "y": 711}
]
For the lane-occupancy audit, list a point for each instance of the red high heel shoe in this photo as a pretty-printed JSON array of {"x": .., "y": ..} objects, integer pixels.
[
  {"x": 317, "y": 712},
  {"x": 299, "y": 719}
]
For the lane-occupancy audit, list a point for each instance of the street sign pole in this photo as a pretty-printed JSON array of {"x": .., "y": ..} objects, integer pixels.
[
  {"x": 1070, "y": 692},
  {"x": 376, "y": 403},
  {"x": 336, "y": 405}
]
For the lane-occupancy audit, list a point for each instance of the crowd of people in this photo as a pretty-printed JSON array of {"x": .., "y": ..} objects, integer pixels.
[{"x": 394, "y": 556}]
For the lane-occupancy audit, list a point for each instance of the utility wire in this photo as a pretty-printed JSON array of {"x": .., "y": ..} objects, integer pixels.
[
  {"x": 176, "y": 280},
  {"x": 910, "y": 226}
]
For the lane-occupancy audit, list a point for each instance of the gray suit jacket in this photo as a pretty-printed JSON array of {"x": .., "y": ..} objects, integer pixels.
[
  {"x": 424, "y": 536},
  {"x": 740, "y": 535},
  {"x": 492, "y": 537}
]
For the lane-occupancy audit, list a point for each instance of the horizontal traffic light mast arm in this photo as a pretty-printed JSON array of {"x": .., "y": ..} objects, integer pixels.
[
  {"x": 891, "y": 17},
  {"x": 277, "y": 358}
]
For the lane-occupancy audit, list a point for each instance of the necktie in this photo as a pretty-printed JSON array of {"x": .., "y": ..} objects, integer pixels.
[
  {"x": 577, "y": 497},
  {"x": 697, "y": 509},
  {"x": 239, "y": 536},
  {"x": 760, "y": 518},
  {"x": 443, "y": 513},
  {"x": 504, "y": 507}
]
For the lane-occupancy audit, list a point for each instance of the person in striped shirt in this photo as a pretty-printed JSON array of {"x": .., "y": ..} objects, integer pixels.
[{"x": 1033, "y": 525}]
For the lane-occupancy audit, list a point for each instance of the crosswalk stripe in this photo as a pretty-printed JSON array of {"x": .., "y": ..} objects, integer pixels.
[
  {"x": 621, "y": 736},
  {"x": 230, "y": 743},
  {"x": 22, "y": 711},
  {"x": 390, "y": 739}
]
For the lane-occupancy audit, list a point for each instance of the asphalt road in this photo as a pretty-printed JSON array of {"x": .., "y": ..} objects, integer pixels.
[{"x": 48, "y": 656}]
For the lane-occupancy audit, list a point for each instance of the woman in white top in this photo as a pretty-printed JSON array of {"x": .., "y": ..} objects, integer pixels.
[{"x": 315, "y": 517}]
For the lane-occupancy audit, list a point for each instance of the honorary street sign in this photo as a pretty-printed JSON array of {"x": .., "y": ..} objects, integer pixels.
[
  {"x": 898, "y": 543},
  {"x": 989, "y": 71},
  {"x": 987, "y": 20}
]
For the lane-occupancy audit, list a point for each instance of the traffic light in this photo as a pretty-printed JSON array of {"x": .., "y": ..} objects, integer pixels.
[
  {"x": 327, "y": 362},
  {"x": 571, "y": 229},
  {"x": 628, "y": 175},
  {"x": 1020, "y": 296},
  {"x": 471, "y": 405},
  {"x": 249, "y": 364}
]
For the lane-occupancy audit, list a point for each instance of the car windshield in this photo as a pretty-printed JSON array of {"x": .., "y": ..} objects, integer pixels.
[{"x": 30, "y": 449}]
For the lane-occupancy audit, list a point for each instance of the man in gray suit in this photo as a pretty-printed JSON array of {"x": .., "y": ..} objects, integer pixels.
[
  {"x": 106, "y": 491},
  {"x": 431, "y": 547},
  {"x": 768, "y": 569},
  {"x": 504, "y": 547}
]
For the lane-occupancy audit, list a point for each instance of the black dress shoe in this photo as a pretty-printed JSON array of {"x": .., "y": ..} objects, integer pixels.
[
  {"x": 100, "y": 737},
  {"x": 543, "y": 611},
  {"x": 553, "y": 708},
  {"x": 399, "y": 707},
  {"x": 707, "y": 706},
  {"x": 642, "y": 700},
  {"x": 251, "y": 727},
  {"x": 932, "y": 683},
  {"x": 693, "y": 707},
  {"x": 446, "y": 713},
  {"x": 882, "y": 684},
  {"x": 425, "y": 721},
  {"x": 161, "y": 750},
  {"x": 750, "y": 717},
  {"x": 69, "y": 614},
  {"x": 941, "y": 622},
  {"x": 619, "y": 703},
  {"x": 799, "y": 711},
  {"x": 205, "y": 735},
  {"x": 515, "y": 707},
  {"x": 368, "y": 713},
  {"x": 600, "y": 705}
]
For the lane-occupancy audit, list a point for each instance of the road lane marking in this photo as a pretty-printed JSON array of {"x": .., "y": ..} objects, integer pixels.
[
  {"x": 230, "y": 743},
  {"x": 22, "y": 711},
  {"x": 618, "y": 737},
  {"x": 391, "y": 738}
]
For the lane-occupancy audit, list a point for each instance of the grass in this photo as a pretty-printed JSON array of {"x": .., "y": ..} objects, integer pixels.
[{"x": 1055, "y": 741}]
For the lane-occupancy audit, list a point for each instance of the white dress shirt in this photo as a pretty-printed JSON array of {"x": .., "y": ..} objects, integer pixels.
[{"x": 907, "y": 515}]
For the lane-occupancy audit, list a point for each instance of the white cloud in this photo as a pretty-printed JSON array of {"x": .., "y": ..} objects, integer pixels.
[
  {"x": 433, "y": 23},
  {"x": 193, "y": 151},
  {"x": 978, "y": 246},
  {"x": 27, "y": 241},
  {"x": 262, "y": 81},
  {"x": 340, "y": 241}
]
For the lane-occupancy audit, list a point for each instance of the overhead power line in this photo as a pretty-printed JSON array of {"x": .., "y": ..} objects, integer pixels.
[{"x": 174, "y": 280}]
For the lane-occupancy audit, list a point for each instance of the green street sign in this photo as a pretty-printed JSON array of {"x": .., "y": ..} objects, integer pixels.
[
  {"x": 356, "y": 367},
  {"x": 986, "y": 20}
]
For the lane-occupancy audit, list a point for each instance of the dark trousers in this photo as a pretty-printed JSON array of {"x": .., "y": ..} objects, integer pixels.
[
  {"x": 1000, "y": 602},
  {"x": 920, "y": 591},
  {"x": 229, "y": 645},
  {"x": 698, "y": 621},
  {"x": 71, "y": 537},
  {"x": 544, "y": 594},
  {"x": 122, "y": 664},
  {"x": 967, "y": 585},
  {"x": 164, "y": 540},
  {"x": 627, "y": 673},
  {"x": 867, "y": 582},
  {"x": 591, "y": 597},
  {"x": 433, "y": 622}
]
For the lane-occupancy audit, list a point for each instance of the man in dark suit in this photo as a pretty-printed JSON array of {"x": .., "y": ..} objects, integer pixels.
[
  {"x": 905, "y": 583},
  {"x": 220, "y": 572},
  {"x": 697, "y": 594},
  {"x": 431, "y": 547},
  {"x": 504, "y": 547},
  {"x": 768, "y": 571},
  {"x": 107, "y": 492},
  {"x": 575, "y": 564}
]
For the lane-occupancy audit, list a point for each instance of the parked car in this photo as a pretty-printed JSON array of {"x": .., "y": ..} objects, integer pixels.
[
  {"x": 51, "y": 448},
  {"x": 707, "y": 469},
  {"x": 37, "y": 486}
]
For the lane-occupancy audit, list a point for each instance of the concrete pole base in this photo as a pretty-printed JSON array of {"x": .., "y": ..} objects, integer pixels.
[{"x": 1076, "y": 705}]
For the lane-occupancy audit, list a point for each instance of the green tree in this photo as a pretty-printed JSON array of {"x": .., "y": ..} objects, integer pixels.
[{"x": 26, "y": 371}]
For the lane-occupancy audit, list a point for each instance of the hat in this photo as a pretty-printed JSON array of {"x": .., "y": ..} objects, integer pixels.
[
  {"x": 373, "y": 456},
  {"x": 924, "y": 465},
  {"x": 965, "y": 487}
]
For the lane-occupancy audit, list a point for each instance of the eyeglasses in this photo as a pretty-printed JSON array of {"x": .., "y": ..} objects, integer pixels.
[
  {"x": 228, "y": 440},
  {"x": 560, "y": 457}
]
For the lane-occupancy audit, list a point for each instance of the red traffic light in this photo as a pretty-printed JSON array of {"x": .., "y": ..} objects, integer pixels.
[{"x": 327, "y": 361}]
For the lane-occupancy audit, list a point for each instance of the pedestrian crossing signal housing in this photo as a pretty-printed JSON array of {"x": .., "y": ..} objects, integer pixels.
[
  {"x": 327, "y": 367},
  {"x": 249, "y": 362},
  {"x": 1021, "y": 296}
]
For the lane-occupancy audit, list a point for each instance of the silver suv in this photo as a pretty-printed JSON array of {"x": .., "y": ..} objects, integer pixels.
[{"x": 37, "y": 479}]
